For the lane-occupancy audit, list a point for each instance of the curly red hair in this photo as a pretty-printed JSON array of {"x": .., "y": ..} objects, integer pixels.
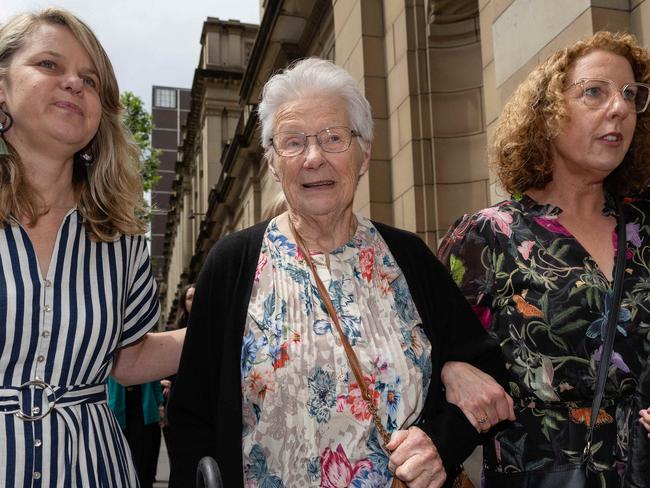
[{"x": 521, "y": 147}]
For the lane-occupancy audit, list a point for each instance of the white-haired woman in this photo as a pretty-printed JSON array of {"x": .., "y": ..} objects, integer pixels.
[
  {"x": 77, "y": 295},
  {"x": 265, "y": 383}
]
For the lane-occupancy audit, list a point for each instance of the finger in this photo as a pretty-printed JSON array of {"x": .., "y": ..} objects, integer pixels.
[
  {"x": 396, "y": 439},
  {"x": 503, "y": 407},
  {"x": 511, "y": 406},
  {"x": 415, "y": 442},
  {"x": 433, "y": 476},
  {"x": 420, "y": 470},
  {"x": 484, "y": 423}
]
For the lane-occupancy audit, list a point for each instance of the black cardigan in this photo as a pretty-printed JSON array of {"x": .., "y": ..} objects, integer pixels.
[{"x": 205, "y": 412}]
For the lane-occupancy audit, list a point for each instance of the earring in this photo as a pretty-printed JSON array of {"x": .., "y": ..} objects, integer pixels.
[
  {"x": 4, "y": 127},
  {"x": 86, "y": 156}
]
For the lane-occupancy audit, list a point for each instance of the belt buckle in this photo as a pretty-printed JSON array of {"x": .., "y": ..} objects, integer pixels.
[{"x": 50, "y": 405}]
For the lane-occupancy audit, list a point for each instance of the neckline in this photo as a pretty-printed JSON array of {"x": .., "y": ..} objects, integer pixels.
[{"x": 550, "y": 210}]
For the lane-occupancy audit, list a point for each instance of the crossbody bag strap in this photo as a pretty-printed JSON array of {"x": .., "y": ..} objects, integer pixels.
[
  {"x": 353, "y": 361},
  {"x": 610, "y": 334}
]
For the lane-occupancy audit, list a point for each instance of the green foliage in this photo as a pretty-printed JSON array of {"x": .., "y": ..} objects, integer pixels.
[{"x": 140, "y": 124}]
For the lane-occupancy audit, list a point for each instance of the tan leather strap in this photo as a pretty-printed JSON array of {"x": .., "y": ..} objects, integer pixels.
[{"x": 349, "y": 352}]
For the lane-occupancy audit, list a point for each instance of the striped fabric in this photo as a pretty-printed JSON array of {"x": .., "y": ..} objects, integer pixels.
[{"x": 62, "y": 330}]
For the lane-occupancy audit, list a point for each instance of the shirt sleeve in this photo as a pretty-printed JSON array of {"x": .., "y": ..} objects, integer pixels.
[
  {"x": 141, "y": 307},
  {"x": 468, "y": 252}
]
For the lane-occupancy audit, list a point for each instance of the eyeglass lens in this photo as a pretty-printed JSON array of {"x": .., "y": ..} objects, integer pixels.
[
  {"x": 331, "y": 139},
  {"x": 598, "y": 93}
]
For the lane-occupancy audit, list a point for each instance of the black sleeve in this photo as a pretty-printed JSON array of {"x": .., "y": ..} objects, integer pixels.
[
  {"x": 192, "y": 404},
  {"x": 460, "y": 337},
  {"x": 456, "y": 335}
]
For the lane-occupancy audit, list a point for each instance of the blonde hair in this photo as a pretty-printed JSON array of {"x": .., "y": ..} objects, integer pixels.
[
  {"x": 110, "y": 190},
  {"x": 521, "y": 146}
]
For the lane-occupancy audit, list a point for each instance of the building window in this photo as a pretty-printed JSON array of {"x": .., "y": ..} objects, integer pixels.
[{"x": 165, "y": 97}]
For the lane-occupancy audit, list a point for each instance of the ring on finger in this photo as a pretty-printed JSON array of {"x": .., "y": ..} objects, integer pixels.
[{"x": 483, "y": 420}]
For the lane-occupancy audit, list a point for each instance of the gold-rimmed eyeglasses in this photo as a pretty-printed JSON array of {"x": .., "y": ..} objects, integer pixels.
[
  {"x": 598, "y": 93},
  {"x": 330, "y": 139}
]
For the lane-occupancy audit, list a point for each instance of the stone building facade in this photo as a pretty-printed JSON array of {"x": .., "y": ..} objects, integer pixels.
[
  {"x": 437, "y": 74},
  {"x": 209, "y": 130}
]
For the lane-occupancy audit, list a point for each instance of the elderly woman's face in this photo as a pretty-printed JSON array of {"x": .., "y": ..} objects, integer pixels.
[
  {"x": 594, "y": 141},
  {"x": 318, "y": 183},
  {"x": 51, "y": 90}
]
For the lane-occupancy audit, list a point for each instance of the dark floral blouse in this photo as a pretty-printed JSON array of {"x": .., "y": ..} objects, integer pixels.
[{"x": 536, "y": 289}]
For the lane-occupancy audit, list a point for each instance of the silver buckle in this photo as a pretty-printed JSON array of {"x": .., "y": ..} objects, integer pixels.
[{"x": 50, "y": 406}]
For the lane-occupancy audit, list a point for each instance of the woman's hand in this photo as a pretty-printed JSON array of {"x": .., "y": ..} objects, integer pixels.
[
  {"x": 483, "y": 401},
  {"x": 166, "y": 386},
  {"x": 415, "y": 459},
  {"x": 645, "y": 419}
]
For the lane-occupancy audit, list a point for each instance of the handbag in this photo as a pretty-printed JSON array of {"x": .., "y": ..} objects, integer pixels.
[
  {"x": 637, "y": 472},
  {"x": 575, "y": 475},
  {"x": 354, "y": 362}
]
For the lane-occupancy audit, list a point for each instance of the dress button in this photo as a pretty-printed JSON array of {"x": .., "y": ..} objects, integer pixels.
[
  {"x": 36, "y": 475},
  {"x": 47, "y": 283},
  {"x": 47, "y": 308},
  {"x": 46, "y": 333},
  {"x": 36, "y": 410},
  {"x": 38, "y": 443},
  {"x": 40, "y": 359}
]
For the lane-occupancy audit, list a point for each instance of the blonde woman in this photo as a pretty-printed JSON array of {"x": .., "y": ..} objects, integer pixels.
[{"x": 77, "y": 296}]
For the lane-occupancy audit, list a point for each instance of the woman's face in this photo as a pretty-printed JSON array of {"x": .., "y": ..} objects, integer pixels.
[
  {"x": 51, "y": 90},
  {"x": 317, "y": 183},
  {"x": 593, "y": 141},
  {"x": 189, "y": 298}
]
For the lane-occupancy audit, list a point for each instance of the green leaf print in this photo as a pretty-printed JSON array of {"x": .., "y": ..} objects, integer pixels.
[{"x": 457, "y": 269}]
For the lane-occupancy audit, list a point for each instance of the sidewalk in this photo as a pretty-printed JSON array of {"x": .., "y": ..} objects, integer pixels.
[{"x": 162, "y": 475}]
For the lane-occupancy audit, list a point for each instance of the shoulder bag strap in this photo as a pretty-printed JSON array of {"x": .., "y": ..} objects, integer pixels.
[
  {"x": 349, "y": 352},
  {"x": 612, "y": 320}
]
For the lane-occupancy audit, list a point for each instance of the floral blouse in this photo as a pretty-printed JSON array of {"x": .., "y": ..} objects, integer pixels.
[
  {"x": 305, "y": 423},
  {"x": 537, "y": 290}
]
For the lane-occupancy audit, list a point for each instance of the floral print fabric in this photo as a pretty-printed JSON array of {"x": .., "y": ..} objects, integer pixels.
[
  {"x": 305, "y": 422},
  {"x": 536, "y": 289}
]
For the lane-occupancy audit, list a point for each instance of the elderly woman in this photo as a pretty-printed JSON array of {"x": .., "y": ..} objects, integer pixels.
[
  {"x": 77, "y": 295},
  {"x": 265, "y": 383},
  {"x": 538, "y": 268}
]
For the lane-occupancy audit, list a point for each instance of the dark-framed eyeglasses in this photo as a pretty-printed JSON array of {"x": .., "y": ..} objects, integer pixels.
[
  {"x": 330, "y": 139},
  {"x": 599, "y": 92}
]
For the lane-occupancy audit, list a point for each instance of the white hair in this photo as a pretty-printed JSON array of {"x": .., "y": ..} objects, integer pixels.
[{"x": 307, "y": 77}]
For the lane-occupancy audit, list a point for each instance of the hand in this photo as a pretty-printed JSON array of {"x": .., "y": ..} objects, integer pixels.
[
  {"x": 483, "y": 401},
  {"x": 415, "y": 459},
  {"x": 166, "y": 386},
  {"x": 161, "y": 415},
  {"x": 645, "y": 419}
]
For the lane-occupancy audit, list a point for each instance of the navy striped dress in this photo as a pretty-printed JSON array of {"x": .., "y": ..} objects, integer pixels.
[{"x": 58, "y": 335}]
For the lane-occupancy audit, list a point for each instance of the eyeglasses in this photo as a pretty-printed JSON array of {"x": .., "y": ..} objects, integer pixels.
[
  {"x": 598, "y": 93},
  {"x": 330, "y": 139}
]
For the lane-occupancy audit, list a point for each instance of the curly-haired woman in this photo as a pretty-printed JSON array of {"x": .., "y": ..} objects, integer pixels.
[{"x": 538, "y": 268}]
